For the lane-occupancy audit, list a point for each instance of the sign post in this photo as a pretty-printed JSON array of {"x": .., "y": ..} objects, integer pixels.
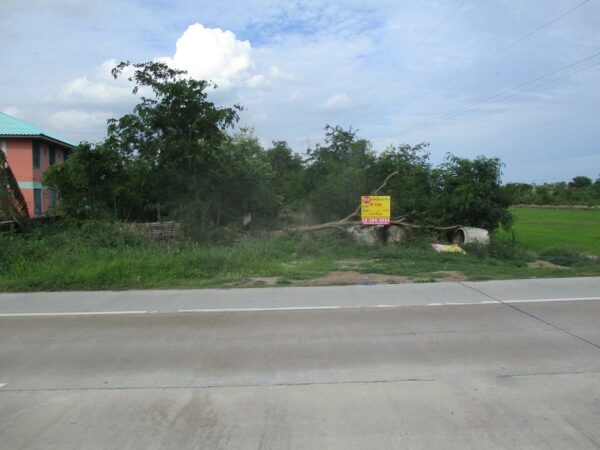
[{"x": 375, "y": 209}]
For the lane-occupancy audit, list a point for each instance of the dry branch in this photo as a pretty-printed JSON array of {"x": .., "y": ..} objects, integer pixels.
[
  {"x": 399, "y": 221},
  {"x": 356, "y": 211}
]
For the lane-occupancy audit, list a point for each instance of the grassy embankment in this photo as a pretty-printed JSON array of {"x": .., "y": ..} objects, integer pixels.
[{"x": 98, "y": 256}]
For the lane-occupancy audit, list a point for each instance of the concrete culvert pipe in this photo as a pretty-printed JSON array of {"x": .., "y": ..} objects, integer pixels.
[{"x": 471, "y": 235}]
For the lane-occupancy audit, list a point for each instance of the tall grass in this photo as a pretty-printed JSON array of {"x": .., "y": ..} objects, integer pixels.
[{"x": 94, "y": 255}]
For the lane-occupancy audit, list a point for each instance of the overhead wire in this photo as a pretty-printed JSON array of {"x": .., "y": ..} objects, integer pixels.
[
  {"x": 416, "y": 45},
  {"x": 515, "y": 89},
  {"x": 500, "y": 51}
]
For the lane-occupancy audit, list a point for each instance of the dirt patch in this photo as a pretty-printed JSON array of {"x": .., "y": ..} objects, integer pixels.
[
  {"x": 540, "y": 264},
  {"x": 255, "y": 282},
  {"x": 352, "y": 277},
  {"x": 449, "y": 275}
]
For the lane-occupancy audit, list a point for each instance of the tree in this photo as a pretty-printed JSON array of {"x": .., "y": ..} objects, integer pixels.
[
  {"x": 287, "y": 168},
  {"x": 469, "y": 192},
  {"x": 337, "y": 172},
  {"x": 177, "y": 134},
  {"x": 90, "y": 182},
  {"x": 164, "y": 155},
  {"x": 411, "y": 190},
  {"x": 580, "y": 182}
]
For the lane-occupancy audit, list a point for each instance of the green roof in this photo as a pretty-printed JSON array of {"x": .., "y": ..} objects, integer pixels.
[{"x": 10, "y": 126}]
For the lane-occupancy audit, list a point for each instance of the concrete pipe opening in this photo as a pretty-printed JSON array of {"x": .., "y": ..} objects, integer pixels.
[{"x": 471, "y": 235}]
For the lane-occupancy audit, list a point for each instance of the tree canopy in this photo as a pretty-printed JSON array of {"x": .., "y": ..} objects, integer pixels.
[{"x": 177, "y": 156}]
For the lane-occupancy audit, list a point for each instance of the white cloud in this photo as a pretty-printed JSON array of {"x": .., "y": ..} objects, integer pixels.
[
  {"x": 337, "y": 103},
  {"x": 276, "y": 73},
  {"x": 204, "y": 53},
  {"x": 257, "y": 81},
  {"x": 212, "y": 54},
  {"x": 77, "y": 119},
  {"x": 98, "y": 87}
]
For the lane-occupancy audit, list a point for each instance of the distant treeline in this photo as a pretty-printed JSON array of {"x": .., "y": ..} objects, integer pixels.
[
  {"x": 579, "y": 191},
  {"x": 173, "y": 158}
]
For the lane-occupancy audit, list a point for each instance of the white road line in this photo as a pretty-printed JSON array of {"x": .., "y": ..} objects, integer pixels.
[
  {"x": 78, "y": 313},
  {"x": 295, "y": 308},
  {"x": 290, "y": 308},
  {"x": 2, "y": 385},
  {"x": 566, "y": 299}
]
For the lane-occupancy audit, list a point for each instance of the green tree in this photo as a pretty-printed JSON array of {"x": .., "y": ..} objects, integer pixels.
[
  {"x": 469, "y": 192},
  {"x": 287, "y": 168},
  {"x": 177, "y": 134},
  {"x": 337, "y": 173},
  {"x": 411, "y": 189},
  {"x": 91, "y": 182},
  {"x": 580, "y": 182}
]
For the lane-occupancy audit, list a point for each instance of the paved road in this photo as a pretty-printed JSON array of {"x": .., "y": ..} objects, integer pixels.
[
  {"x": 518, "y": 374},
  {"x": 165, "y": 301}
]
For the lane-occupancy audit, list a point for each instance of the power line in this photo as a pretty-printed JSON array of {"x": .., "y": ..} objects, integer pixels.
[
  {"x": 517, "y": 88},
  {"x": 502, "y": 50},
  {"x": 414, "y": 47}
]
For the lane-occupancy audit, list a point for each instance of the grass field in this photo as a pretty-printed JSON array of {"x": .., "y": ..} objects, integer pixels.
[
  {"x": 541, "y": 229},
  {"x": 99, "y": 256}
]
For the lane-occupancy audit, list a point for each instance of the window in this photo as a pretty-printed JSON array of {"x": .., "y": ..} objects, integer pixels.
[
  {"x": 53, "y": 200},
  {"x": 37, "y": 202},
  {"x": 52, "y": 155},
  {"x": 36, "y": 155}
]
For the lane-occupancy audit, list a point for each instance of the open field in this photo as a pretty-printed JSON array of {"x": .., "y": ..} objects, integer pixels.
[
  {"x": 100, "y": 257},
  {"x": 541, "y": 229}
]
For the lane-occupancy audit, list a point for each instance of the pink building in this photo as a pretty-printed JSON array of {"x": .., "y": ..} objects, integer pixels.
[{"x": 29, "y": 152}]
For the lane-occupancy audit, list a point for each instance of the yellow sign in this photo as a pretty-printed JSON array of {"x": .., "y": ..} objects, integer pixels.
[{"x": 375, "y": 209}]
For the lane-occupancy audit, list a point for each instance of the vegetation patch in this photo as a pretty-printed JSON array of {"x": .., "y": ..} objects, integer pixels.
[
  {"x": 96, "y": 255},
  {"x": 543, "y": 229}
]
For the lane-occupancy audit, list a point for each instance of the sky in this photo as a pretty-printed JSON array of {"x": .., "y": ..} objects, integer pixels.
[{"x": 514, "y": 79}]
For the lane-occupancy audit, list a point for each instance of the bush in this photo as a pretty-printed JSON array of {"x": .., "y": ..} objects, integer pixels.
[
  {"x": 500, "y": 249},
  {"x": 565, "y": 257}
]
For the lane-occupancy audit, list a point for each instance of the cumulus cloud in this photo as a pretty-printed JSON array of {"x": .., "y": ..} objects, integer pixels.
[
  {"x": 337, "y": 103},
  {"x": 204, "y": 53},
  {"x": 212, "y": 54}
]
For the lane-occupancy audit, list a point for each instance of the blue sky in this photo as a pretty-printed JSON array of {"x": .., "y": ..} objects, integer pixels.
[{"x": 380, "y": 67}]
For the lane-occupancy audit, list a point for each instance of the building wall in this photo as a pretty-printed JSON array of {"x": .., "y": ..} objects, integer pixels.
[{"x": 19, "y": 154}]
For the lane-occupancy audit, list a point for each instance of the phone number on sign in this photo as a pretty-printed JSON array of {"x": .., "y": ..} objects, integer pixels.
[{"x": 375, "y": 221}]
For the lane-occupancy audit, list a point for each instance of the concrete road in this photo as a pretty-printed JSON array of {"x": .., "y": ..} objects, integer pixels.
[{"x": 495, "y": 370}]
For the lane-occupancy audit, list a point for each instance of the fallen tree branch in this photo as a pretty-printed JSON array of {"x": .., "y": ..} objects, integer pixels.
[
  {"x": 430, "y": 227},
  {"x": 398, "y": 221},
  {"x": 322, "y": 226}
]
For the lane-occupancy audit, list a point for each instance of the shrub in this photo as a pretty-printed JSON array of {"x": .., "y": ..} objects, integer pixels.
[
  {"x": 564, "y": 257},
  {"x": 500, "y": 249}
]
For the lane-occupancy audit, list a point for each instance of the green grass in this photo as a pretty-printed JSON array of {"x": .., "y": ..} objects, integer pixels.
[
  {"x": 543, "y": 229},
  {"x": 98, "y": 256}
]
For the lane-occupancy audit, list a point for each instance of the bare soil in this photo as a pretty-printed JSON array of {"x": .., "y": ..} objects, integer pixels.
[
  {"x": 449, "y": 275},
  {"x": 540, "y": 264},
  {"x": 352, "y": 277}
]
